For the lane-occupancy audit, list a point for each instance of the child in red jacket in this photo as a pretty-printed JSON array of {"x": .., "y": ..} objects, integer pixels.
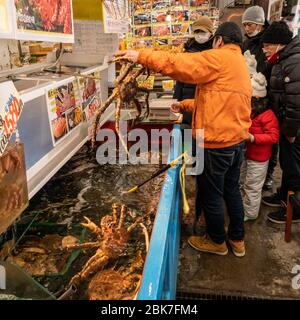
[{"x": 264, "y": 132}]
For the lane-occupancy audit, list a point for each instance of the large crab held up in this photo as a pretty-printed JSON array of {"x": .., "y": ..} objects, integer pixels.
[
  {"x": 124, "y": 94},
  {"x": 112, "y": 239}
]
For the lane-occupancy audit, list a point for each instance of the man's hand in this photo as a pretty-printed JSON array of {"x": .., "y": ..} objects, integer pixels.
[
  {"x": 291, "y": 139},
  {"x": 130, "y": 55},
  {"x": 176, "y": 107}
]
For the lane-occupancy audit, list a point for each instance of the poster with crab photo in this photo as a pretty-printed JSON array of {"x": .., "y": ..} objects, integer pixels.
[
  {"x": 90, "y": 94},
  {"x": 179, "y": 29},
  {"x": 142, "y": 32},
  {"x": 160, "y": 4},
  {"x": 179, "y": 3},
  {"x": 161, "y": 30},
  {"x": 64, "y": 109},
  {"x": 142, "y": 18},
  {"x": 44, "y": 20}
]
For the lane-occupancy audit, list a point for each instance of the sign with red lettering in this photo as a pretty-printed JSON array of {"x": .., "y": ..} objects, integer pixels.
[{"x": 11, "y": 107}]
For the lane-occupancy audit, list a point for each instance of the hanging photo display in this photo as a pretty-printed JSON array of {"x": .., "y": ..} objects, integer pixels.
[
  {"x": 64, "y": 107},
  {"x": 275, "y": 10},
  {"x": 6, "y": 30},
  {"x": 90, "y": 93},
  {"x": 116, "y": 16},
  {"x": 166, "y": 23},
  {"x": 44, "y": 20}
]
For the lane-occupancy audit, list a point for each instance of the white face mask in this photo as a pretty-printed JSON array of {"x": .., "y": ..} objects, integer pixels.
[
  {"x": 254, "y": 33},
  {"x": 202, "y": 37}
]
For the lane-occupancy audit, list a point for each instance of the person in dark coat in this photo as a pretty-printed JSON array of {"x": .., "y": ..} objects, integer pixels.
[
  {"x": 283, "y": 52},
  {"x": 255, "y": 25},
  {"x": 203, "y": 32}
]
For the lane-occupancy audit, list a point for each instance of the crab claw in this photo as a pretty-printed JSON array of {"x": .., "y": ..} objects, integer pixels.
[
  {"x": 88, "y": 222},
  {"x": 91, "y": 226}
]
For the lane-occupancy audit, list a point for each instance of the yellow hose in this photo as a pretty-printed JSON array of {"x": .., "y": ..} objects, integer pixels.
[{"x": 186, "y": 208}]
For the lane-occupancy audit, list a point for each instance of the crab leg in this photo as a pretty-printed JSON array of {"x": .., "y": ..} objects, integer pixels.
[
  {"x": 117, "y": 115},
  {"x": 117, "y": 124},
  {"x": 91, "y": 226},
  {"x": 131, "y": 228},
  {"x": 93, "y": 265},
  {"x": 146, "y": 235},
  {"x": 138, "y": 107},
  {"x": 122, "y": 216},
  {"x": 138, "y": 73},
  {"x": 124, "y": 72},
  {"x": 114, "y": 212},
  {"x": 99, "y": 113},
  {"x": 85, "y": 245}
]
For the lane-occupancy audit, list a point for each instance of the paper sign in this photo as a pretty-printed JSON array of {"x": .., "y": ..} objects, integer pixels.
[
  {"x": 64, "y": 107},
  {"x": 168, "y": 85},
  {"x": 90, "y": 92},
  {"x": 116, "y": 16},
  {"x": 11, "y": 107},
  {"x": 146, "y": 82}
]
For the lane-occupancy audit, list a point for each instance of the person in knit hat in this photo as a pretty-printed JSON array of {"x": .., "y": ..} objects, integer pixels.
[
  {"x": 263, "y": 133},
  {"x": 282, "y": 50},
  {"x": 255, "y": 25}
]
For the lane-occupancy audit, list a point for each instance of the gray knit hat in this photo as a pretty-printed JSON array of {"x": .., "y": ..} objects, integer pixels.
[{"x": 254, "y": 14}]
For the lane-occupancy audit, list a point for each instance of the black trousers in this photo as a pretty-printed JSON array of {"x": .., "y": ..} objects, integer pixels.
[
  {"x": 289, "y": 157},
  {"x": 218, "y": 182},
  {"x": 273, "y": 159}
]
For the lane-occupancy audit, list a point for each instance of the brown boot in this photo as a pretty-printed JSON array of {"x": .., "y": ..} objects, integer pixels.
[
  {"x": 238, "y": 247},
  {"x": 205, "y": 244}
]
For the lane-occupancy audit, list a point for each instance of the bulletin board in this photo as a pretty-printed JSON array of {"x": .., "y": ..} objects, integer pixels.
[{"x": 167, "y": 23}]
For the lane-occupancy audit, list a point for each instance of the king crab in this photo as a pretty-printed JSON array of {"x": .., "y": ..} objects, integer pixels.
[
  {"x": 120, "y": 284},
  {"x": 112, "y": 239},
  {"x": 9, "y": 161},
  {"x": 125, "y": 94}
]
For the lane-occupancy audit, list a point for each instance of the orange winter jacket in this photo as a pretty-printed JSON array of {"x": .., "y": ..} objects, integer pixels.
[{"x": 222, "y": 104}]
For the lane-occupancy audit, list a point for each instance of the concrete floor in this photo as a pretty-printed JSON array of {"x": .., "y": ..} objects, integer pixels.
[{"x": 265, "y": 271}]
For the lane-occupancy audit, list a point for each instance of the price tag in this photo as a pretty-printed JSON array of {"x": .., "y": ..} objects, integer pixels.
[
  {"x": 145, "y": 82},
  {"x": 11, "y": 107},
  {"x": 168, "y": 85}
]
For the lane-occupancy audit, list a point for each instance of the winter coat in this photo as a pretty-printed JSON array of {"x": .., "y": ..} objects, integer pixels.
[
  {"x": 183, "y": 90},
  {"x": 186, "y": 90},
  {"x": 254, "y": 45},
  {"x": 222, "y": 103},
  {"x": 265, "y": 129},
  {"x": 285, "y": 88}
]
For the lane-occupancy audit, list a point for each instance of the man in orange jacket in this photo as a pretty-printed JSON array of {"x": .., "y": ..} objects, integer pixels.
[{"x": 221, "y": 107}]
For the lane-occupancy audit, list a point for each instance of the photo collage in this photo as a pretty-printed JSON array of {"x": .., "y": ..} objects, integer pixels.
[
  {"x": 72, "y": 103},
  {"x": 90, "y": 90},
  {"x": 64, "y": 109},
  {"x": 167, "y": 23}
]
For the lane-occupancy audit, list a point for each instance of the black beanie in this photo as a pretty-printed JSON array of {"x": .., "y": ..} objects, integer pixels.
[
  {"x": 278, "y": 33},
  {"x": 230, "y": 30}
]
